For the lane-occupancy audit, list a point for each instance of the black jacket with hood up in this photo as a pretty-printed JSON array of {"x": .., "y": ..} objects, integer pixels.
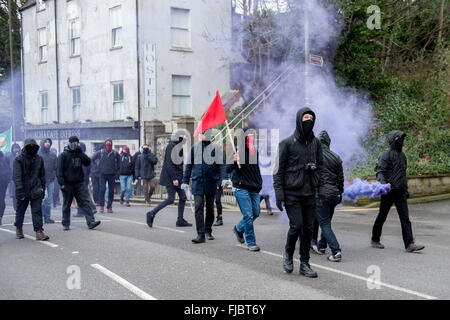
[
  {"x": 109, "y": 163},
  {"x": 290, "y": 175},
  {"x": 71, "y": 166},
  {"x": 248, "y": 177},
  {"x": 333, "y": 172},
  {"x": 29, "y": 173},
  {"x": 145, "y": 165},
  {"x": 391, "y": 167},
  {"x": 171, "y": 171},
  {"x": 50, "y": 161}
]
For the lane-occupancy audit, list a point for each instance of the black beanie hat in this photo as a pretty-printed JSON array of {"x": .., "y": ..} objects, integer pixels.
[{"x": 73, "y": 139}]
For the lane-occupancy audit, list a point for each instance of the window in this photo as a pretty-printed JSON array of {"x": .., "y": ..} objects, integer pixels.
[
  {"x": 118, "y": 104},
  {"x": 40, "y": 5},
  {"x": 42, "y": 39},
  {"x": 43, "y": 102},
  {"x": 115, "y": 15},
  {"x": 181, "y": 94},
  {"x": 75, "y": 37},
  {"x": 76, "y": 103},
  {"x": 179, "y": 28}
]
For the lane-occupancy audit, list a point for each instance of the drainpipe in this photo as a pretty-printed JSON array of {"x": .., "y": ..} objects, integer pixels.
[
  {"x": 57, "y": 74},
  {"x": 138, "y": 74}
]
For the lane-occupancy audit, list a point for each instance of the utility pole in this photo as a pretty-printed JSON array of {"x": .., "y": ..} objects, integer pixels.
[
  {"x": 306, "y": 17},
  {"x": 11, "y": 99}
]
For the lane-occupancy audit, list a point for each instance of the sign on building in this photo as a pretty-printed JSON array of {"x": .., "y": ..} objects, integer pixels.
[{"x": 150, "y": 75}]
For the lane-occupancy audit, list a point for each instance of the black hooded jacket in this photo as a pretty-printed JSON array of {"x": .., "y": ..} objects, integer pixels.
[
  {"x": 29, "y": 173},
  {"x": 333, "y": 172},
  {"x": 5, "y": 169},
  {"x": 290, "y": 174},
  {"x": 248, "y": 177},
  {"x": 145, "y": 165},
  {"x": 109, "y": 163},
  {"x": 391, "y": 167},
  {"x": 71, "y": 163},
  {"x": 171, "y": 171},
  {"x": 50, "y": 161}
]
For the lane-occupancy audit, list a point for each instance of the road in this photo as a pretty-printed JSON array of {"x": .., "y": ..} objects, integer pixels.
[{"x": 124, "y": 259}]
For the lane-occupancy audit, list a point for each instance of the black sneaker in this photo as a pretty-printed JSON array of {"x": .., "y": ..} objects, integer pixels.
[
  {"x": 239, "y": 235},
  {"x": 150, "y": 218},
  {"x": 336, "y": 257},
  {"x": 219, "y": 222},
  {"x": 288, "y": 262},
  {"x": 66, "y": 228},
  {"x": 199, "y": 239},
  {"x": 253, "y": 247},
  {"x": 77, "y": 216},
  {"x": 49, "y": 221},
  {"x": 183, "y": 223},
  {"x": 94, "y": 224},
  {"x": 269, "y": 212},
  {"x": 209, "y": 236},
  {"x": 305, "y": 270}
]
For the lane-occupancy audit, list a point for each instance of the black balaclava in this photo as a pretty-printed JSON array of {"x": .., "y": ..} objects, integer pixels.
[
  {"x": 303, "y": 131},
  {"x": 396, "y": 144},
  {"x": 31, "y": 147},
  {"x": 146, "y": 150},
  {"x": 399, "y": 143}
]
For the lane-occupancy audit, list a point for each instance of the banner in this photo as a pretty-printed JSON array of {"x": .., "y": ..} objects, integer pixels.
[{"x": 5, "y": 141}]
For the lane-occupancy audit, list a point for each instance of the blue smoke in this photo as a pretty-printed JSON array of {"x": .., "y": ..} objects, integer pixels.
[{"x": 361, "y": 188}]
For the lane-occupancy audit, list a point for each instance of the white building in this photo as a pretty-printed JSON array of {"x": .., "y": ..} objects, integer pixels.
[{"x": 101, "y": 69}]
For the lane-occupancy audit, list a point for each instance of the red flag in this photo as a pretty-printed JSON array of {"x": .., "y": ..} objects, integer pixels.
[{"x": 214, "y": 115}]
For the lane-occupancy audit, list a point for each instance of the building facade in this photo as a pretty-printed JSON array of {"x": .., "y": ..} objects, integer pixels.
[{"x": 104, "y": 69}]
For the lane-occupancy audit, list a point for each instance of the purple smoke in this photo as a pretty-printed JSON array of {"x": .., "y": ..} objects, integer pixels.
[{"x": 361, "y": 188}]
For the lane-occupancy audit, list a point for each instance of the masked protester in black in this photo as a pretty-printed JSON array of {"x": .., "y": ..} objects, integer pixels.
[
  {"x": 295, "y": 180},
  {"x": 71, "y": 180},
  {"x": 391, "y": 168},
  {"x": 5, "y": 177},
  {"x": 15, "y": 151},
  {"x": 29, "y": 180},
  {"x": 87, "y": 173}
]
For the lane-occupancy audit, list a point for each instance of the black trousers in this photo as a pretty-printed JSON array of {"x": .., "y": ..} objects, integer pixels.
[
  {"x": 397, "y": 197},
  {"x": 219, "y": 202},
  {"x": 300, "y": 211},
  {"x": 3, "y": 187},
  {"x": 171, "y": 190},
  {"x": 315, "y": 235},
  {"x": 36, "y": 213},
  {"x": 204, "y": 222},
  {"x": 96, "y": 188},
  {"x": 91, "y": 202},
  {"x": 80, "y": 193},
  {"x": 111, "y": 180}
]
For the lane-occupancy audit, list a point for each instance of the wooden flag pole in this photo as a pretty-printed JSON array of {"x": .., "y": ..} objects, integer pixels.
[{"x": 232, "y": 141}]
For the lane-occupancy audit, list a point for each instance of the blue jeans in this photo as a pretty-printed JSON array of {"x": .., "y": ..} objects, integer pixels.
[
  {"x": 324, "y": 214},
  {"x": 48, "y": 200},
  {"x": 125, "y": 185},
  {"x": 249, "y": 205}
]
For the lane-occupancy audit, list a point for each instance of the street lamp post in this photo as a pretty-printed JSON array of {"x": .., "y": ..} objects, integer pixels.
[{"x": 11, "y": 100}]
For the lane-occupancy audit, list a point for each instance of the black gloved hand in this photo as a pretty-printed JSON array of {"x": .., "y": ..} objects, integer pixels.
[
  {"x": 280, "y": 205},
  {"x": 407, "y": 194}
]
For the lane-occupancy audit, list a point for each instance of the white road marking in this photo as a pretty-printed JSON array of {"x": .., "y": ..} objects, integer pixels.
[
  {"x": 393, "y": 287},
  {"x": 75, "y": 252},
  {"x": 141, "y": 294},
  {"x": 141, "y": 223},
  {"x": 47, "y": 243}
]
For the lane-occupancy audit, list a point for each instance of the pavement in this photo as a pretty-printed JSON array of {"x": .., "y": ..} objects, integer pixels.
[{"x": 126, "y": 260}]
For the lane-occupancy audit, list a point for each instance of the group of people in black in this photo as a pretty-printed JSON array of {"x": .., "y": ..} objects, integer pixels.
[{"x": 308, "y": 183}]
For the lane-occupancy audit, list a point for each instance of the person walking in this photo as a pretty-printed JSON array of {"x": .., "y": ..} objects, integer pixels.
[
  {"x": 296, "y": 178},
  {"x": 247, "y": 183},
  {"x": 15, "y": 151},
  {"x": 29, "y": 181},
  {"x": 109, "y": 165},
  {"x": 5, "y": 178},
  {"x": 391, "y": 168},
  {"x": 86, "y": 174},
  {"x": 145, "y": 170},
  {"x": 71, "y": 179},
  {"x": 205, "y": 165},
  {"x": 50, "y": 161},
  {"x": 171, "y": 177},
  {"x": 127, "y": 174},
  {"x": 329, "y": 196}
]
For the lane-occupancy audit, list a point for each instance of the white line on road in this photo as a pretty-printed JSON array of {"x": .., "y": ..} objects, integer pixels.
[
  {"x": 47, "y": 243},
  {"x": 141, "y": 223},
  {"x": 141, "y": 294},
  {"x": 422, "y": 295}
]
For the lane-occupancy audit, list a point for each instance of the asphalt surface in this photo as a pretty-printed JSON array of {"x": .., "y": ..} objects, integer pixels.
[{"x": 124, "y": 259}]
